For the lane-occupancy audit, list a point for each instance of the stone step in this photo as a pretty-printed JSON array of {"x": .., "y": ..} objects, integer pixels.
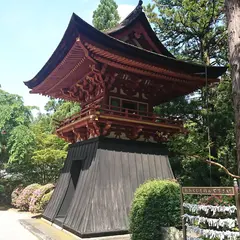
[{"x": 45, "y": 231}]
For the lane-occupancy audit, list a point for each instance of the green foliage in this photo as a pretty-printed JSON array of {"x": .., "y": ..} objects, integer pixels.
[
  {"x": 58, "y": 110},
  {"x": 52, "y": 105},
  {"x": 40, "y": 153},
  {"x": 21, "y": 144},
  {"x": 9, "y": 183},
  {"x": 192, "y": 148},
  {"x": 29, "y": 150},
  {"x": 106, "y": 15},
  {"x": 2, "y": 194},
  {"x": 2, "y": 190},
  {"x": 156, "y": 204},
  {"x": 191, "y": 29},
  {"x": 196, "y": 30},
  {"x": 43, "y": 162},
  {"x": 185, "y": 108},
  {"x": 65, "y": 110},
  {"x": 50, "y": 152},
  {"x": 45, "y": 199},
  {"x": 218, "y": 200},
  {"x": 13, "y": 114}
]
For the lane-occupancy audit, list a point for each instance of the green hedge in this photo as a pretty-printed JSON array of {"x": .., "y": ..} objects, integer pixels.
[
  {"x": 45, "y": 200},
  {"x": 156, "y": 204},
  {"x": 2, "y": 194},
  {"x": 9, "y": 184}
]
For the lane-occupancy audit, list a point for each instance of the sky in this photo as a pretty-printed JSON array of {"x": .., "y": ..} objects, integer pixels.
[{"x": 30, "y": 30}]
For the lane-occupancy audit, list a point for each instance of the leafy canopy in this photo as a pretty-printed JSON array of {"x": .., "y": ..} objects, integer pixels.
[
  {"x": 191, "y": 29},
  {"x": 156, "y": 203},
  {"x": 196, "y": 30},
  {"x": 13, "y": 116},
  {"x": 29, "y": 149},
  {"x": 106, "y": 15}
]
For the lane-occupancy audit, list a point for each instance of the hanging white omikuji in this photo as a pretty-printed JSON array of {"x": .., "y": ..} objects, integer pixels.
[
  {"x": 194, "y": 221},
  {"x": 211, "y": 222},
  {"x": 209, "y": 233},
  {"x": 195, "y": 208}
]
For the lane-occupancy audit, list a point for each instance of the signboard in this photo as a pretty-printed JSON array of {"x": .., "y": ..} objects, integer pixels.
[{"x": 229, "y": 191}]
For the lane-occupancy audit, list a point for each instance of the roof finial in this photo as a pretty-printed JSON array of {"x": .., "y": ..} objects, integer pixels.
[{"x": 140, "y": 3}]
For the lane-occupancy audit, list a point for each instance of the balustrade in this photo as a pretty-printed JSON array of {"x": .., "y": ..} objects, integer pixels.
[{"x": 121, "y": 113}]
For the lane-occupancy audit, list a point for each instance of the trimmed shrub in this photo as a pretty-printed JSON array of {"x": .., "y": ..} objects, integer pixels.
[
  {"x": 9, "y": 183},
  {"x": 15, "y": 194},
  {"x": 24, "y": 198},
  {"x": 2, "y": 194},
  {"x": 2, "y": 189},
  {"x": 45, "y": 200},
  {"x": 156, "y": 204},
  {"x": 35, "y": 202}
]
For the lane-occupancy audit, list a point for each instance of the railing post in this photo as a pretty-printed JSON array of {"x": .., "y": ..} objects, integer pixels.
[
  {"x": 235, "y": 184},
  {"x": 182, "y": 213}
]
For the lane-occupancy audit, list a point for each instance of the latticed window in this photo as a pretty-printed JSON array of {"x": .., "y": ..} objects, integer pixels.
[{"x": 115, "y": 104}]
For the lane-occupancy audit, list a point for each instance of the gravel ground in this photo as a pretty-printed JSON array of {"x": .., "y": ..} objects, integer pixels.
[{"x": 11, "y": 229}]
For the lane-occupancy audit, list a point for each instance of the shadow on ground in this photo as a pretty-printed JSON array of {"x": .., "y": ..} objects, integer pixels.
[{"x": 5, "y": 207}]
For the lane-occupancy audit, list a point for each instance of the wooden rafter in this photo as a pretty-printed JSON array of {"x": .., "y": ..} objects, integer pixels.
[{"x": 103, "y": 54}]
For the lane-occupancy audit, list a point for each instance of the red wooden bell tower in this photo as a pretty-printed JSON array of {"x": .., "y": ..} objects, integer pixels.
[{"x": 117, "y": 77}]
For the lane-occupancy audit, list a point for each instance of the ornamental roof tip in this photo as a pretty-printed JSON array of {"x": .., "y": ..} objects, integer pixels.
[
  {"x": 131, "y": 17},
  {"x": 140, "y": 3},
  {"x": 134, "y": 14}
]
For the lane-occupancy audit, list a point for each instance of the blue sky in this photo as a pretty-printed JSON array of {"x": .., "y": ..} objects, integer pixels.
[{"x": 30, "y": 32}]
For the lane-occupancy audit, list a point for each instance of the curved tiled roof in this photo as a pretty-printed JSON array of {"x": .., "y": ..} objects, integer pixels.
[
  {"x": 78, "y": 27},
  {"x": 138, "y": 15}
]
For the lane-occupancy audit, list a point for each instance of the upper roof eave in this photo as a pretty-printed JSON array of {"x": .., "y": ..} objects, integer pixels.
[
  {"x": 128, "y": 20},
  {"x": 77, "y": 26},
  {"x": 138, "y": 15}
]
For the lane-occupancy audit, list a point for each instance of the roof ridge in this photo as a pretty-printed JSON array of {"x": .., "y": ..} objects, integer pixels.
[{"x": 132, "y": 15}]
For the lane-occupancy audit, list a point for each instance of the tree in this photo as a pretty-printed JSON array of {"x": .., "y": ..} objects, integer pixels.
[
  {"x": 189, "y": 150},
  {"x": 29, "y": 150},
  {"x": 21, "y": 144},
  {"x": 57, "y": 110},
  {"x": 191, "y": 29},
  {"x": 106, "y": 15},
  {"x": 13, "y": 114},
  {"x": 65, "y": 110},
  {"x": 48, "y": 157},
  {"x": 196, "y": 30},
  {"x": 52, "y": 105},
  {"x": 50, "y": 151},
  {"x": 233, "y": 20},
  {"x": 36, "y": 155}
]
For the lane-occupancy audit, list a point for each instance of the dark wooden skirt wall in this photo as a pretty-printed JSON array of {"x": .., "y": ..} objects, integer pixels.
[{"x": 107, "y": 173}]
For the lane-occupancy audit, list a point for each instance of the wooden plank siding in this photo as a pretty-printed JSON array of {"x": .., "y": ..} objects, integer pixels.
[{"x": 112, "y": 170}]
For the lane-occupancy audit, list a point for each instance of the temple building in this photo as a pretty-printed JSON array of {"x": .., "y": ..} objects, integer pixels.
[{"x": 116, "y": 141}]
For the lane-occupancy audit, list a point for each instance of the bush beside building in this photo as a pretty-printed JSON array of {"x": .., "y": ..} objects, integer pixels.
[{"x": 156, "y": 204}]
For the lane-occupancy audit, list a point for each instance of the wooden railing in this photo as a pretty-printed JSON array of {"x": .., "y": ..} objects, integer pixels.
[
  {"x": 119, "y": 112},
  {"x": 136, "y": 114}
]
